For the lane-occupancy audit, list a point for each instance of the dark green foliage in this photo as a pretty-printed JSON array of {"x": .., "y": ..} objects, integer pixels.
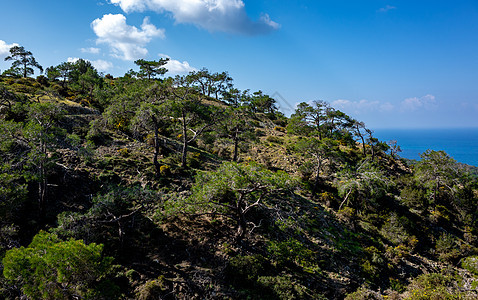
[
  {"x": 292, "y": 253},
  {"x": 152, "y": 289},
  {"x": 110, "y": 217},
  {"x": 230, "y": 230},
  {"x": 50, "y": 268},
  {"x": 446, "y": 247},
  {"x": 151, "y": 69},
  {"x": 244, "y": 270},
  {"x": 435, "y": 286},
  {"x": 471, "y": 264},
  {"x": 235, "y": 189},
  {"x": 254, "y": 275},
  {"x": 322, "y": 152},
  {"x": 363, "y": 186},
  {"x": 217, "y": 84},
  {"x": 414, "y": 196},
  {"x": 261, "y": 103},
  {"x": 23, "y": 61},
  {"x": 283, "y": 287},
  {"x": 439, "y": 173}
]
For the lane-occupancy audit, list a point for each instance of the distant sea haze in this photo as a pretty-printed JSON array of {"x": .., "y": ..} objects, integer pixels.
[{"x": 459, "y": 143}]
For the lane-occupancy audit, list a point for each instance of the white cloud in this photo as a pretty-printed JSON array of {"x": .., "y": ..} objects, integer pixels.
[
  {"x": 214, "y": 15},
  {"x": 412, "y": 104},
  {"x": 365, "y": 107},
  {"x": 90, "y": 50},
  {"x": 387, "y": 8},
  {"x": 72, "y": 59},
  {"x": 5, "y": 48},
  {"x": 266, "y": 19},
  {"x": 362, "y": 106},
  {"x": 176, "y": 67},
  {"x": 102, "y": 65},
  {"x": 126, "y": 42}
]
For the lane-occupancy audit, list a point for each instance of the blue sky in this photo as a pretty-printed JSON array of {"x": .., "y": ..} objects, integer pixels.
[{"x": 391, "y": 64}]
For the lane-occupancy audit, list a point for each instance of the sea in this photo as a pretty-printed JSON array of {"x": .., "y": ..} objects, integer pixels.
[{"x": 459, "y": 143}]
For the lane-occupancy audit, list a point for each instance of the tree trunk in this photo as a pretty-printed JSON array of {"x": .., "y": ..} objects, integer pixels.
[
  {"x": 241, "y": 229},
  {"x": 156, "y": 148},
  {"x": 241, "y": 220},
  {"x": 42, "y": 181},
  {"x": 363, "y": 146},
  {"x": 236, "y": 145},
  {"x": 41, "y": 192},
  {"x": 319, "y": 130},
  {"x": 317, "y": 178},
  {"x": 345, "y": 199},
  {"x": 121, "y": 234},
  {"x": 185, "y": 142}
]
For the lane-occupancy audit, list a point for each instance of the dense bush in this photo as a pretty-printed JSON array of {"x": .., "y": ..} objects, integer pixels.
[
  {"x": 471, "y": 264},
  {"x": 50, "y": 268}
]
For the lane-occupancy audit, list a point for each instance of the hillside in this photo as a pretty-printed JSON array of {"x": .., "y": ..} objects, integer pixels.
[{"x": 186, "y": 188}]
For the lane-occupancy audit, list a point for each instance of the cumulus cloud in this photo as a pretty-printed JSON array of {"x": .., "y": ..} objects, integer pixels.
[
  {"x": 5, "y": 48},
  {"x": 126, "y": 42},
  {"x": 387, "y": 8},
  {"x": 362, "y": 106},
  {"x": 412, "y": 104},
  {"x": 213, "y": 15},
  {"x": 102, "y": 65},
  {"x": 72, "y": 59},
  {"x": 176, "y": 67},
  {"x": 90, "y": 50}
]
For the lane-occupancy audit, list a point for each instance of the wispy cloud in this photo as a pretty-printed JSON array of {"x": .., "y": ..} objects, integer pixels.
[
  {"x": 387, "y": 8},
  {"x": 5, "y": 48},
  {"x": 362, "y": 106},
  {"x": 90, "y": 50},
  {"x": 126, "y": 42},
  {"x": 413, "y": 105},
  {"x": 426, "y": 102},
  {"x": 213, "y": 15}
]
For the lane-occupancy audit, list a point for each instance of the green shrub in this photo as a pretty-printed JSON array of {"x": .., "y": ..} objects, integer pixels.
[
  {"x": 20, "y": 88},
  {"x": 193, "y": 160},
  {"x": 471, "y": 264},
  {"x": 50, "y": 268},
  {"x": 258, "y": 132},
  {"x": 165, "y": 170},
  {"x": 152, "y": 289},
  {"x": 96, "y": 134},
  {"x": 433, "y": 286},
  {"x": 446, "y": 248},
  {"x": 123, "y": 152},
  {"x": 394, "y": 231},
  {"x": 414, "y": 197},
  {"x": 292, "y": 251},
  {"x": 282, "y": 287},
  {"x": 274, "y": 139},
  {"x": 280, "y": 129},
  {"x": 42, "y": 80},
  {"x": 364, "y": 294},
  {"x": 244, "y": 270},
  {"x": 306, "y": 170}
]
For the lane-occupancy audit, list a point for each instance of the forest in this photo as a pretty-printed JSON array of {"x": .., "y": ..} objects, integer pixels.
[{"x": 148, "y": 186}]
